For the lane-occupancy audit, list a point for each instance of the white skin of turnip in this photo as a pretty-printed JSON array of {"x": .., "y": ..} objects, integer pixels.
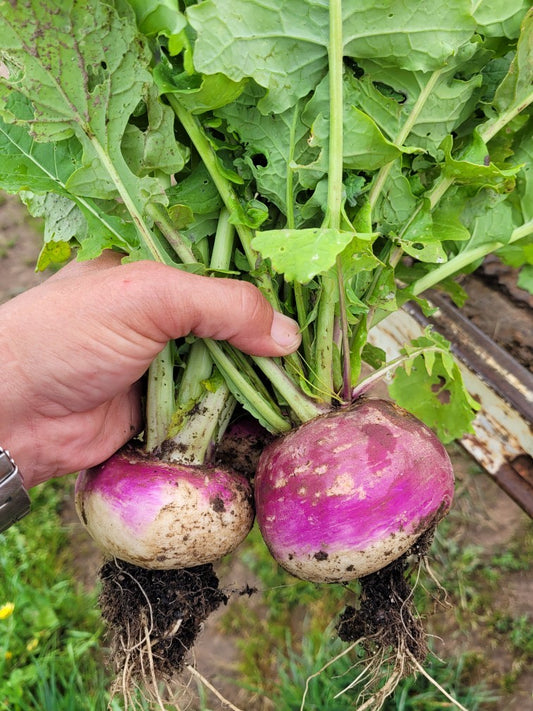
[
  {"x": 349, "y": 492},
  {"x": 164, "y": 516}
]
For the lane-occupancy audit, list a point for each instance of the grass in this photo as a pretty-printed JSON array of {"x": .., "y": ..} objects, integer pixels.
[{"x": 50, "y": 629}]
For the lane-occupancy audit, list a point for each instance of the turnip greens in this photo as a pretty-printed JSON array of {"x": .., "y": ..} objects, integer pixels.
[{"x": 142, "y": 126}]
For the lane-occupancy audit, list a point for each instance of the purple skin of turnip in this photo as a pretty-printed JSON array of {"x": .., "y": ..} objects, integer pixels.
[
  {"x": 351, "y": 491},
  {"x": 163, "y": 516}
]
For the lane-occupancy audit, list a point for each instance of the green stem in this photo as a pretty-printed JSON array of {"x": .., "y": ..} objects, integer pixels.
[
  {"x": 159, "y": 399},
  {"x": 149, "y": 239},
  {"x": 229, "y": 197},
  {"x": 464, "y": 259},
  {"x": 195, "y": 442},
  {"x": 301, "y": 314},
  {"x": 198, "y": 368},
  {"x": 303, "y": 407},
  {"x": 222, "y": 251},
  {"x": 366, "y": 383},
  {"x": 172, "y": 235},
  {"x": 404, "y": 132},
  {"x": 345, "y": 343},
  {"x": 323, "y": 375},
  {"x": 325, "y": 326},
  {"x": 494, "y": 126},
  {"x": 336, "y": 116},
  {"x": 298, "y": 289},
  {"x": 266, "y": 412},
  {"x": 289, "y": 191}
]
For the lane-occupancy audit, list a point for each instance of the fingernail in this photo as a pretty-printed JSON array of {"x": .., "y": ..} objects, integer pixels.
[{"x": 285, "y": 332}]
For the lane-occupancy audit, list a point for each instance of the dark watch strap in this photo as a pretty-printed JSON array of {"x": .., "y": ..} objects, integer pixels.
[{"x": 14, "y": 499}]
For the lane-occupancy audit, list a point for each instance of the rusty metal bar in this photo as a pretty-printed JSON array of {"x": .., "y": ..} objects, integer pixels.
[{"x": 519, "y": 488}]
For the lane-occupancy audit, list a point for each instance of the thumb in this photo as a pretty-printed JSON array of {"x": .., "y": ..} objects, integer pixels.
[{"x": 168, "y": 303}]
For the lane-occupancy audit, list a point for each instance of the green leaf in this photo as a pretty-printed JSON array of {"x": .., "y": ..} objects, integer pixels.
[
  {"x": 419, "y": 239},
  {"x": 432, "y": 389},
  {"x": 275, "y": 146},
  {"x": 489, "y": 217},
  {"x": 266, "y": 35},
  {"x": 158, "y": 17},
  {"x": 384, "y": 294},
  {"x": 52, "y": 254},
  {"x": 42, "y": 168},
  {"x": 197, "y": 191},
  {"x": 358, "y": 256},
  {"x": 398, "y": 204},
  {"x": 500, "y": 17},
  {"x": 365, "y": 147},
  {"x": 198, "y": 93},
  {"x": 390, "y": 96},
  {"x": 524, "y": 182},
  {"x": 301, "y": 254},
  {"x": 418, "y": 35},
  {"x": 474, "y": 166},
  {"x": 525, "y": 277},
  {"x": 84, "y": 76},
  {"x": 154, "y": 149},
  {"x": 515, "y": 92}
]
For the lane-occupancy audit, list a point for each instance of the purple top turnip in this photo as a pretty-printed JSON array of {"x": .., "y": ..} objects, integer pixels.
[
  {"x": 350, "y": 491},
  {"x": 162, "y": 516}
]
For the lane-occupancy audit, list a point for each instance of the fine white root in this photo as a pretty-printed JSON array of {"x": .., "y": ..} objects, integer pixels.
[
  {"x": 317, "y": 673},
  {"x": 194, "y": 672},
  {"x": 401, "y": 664},
  {"x": 156, "y": 694},
  {"x": 443, "y": 691}
]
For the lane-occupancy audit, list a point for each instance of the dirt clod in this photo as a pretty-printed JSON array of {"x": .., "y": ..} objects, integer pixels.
[
  {"x": 386, "y": 617},
  {"x": 154, "y": 616}
]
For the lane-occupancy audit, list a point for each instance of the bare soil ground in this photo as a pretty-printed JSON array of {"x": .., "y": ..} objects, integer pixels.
[{"x": 484, "y": 516}]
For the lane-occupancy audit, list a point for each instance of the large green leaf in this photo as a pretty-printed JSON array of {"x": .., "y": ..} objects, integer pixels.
[
  {"x": 390, "y": 95},
  {"x": 40, "y": 168},
  {"x": 301, "y": 254},
  {"x": 418, "y": 35},
  {"x": 283, "y": 45},
  {"x": 500, "y": 17},
  {"x": 274, "y": 146},
  {"x": 83, "y": 67}
]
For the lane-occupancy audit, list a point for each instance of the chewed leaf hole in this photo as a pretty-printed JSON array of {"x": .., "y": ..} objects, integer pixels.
[
  {"x": 259, "y": 160},
  {"x": 442, "y": 393}
]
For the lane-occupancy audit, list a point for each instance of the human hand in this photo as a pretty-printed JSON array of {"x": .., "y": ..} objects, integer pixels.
[{"x": 73, "y": 349}]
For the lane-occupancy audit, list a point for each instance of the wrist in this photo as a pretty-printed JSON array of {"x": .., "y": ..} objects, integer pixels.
[
  {"x": 14, "y": 499},
  {"x": 17, "y": 429}
]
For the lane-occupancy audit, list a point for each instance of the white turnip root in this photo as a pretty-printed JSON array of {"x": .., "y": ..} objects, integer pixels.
[
  {"x": 162, "y": 525},
  {"x": 162, "y": 515},
  {"x": 347, "y": 493}
]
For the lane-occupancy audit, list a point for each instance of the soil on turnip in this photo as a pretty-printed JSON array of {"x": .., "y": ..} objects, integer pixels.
[
  {"x": 242, "y": 445},
  {"x": 153, "y": 617},
  {"x": 386, "y": 617}
]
